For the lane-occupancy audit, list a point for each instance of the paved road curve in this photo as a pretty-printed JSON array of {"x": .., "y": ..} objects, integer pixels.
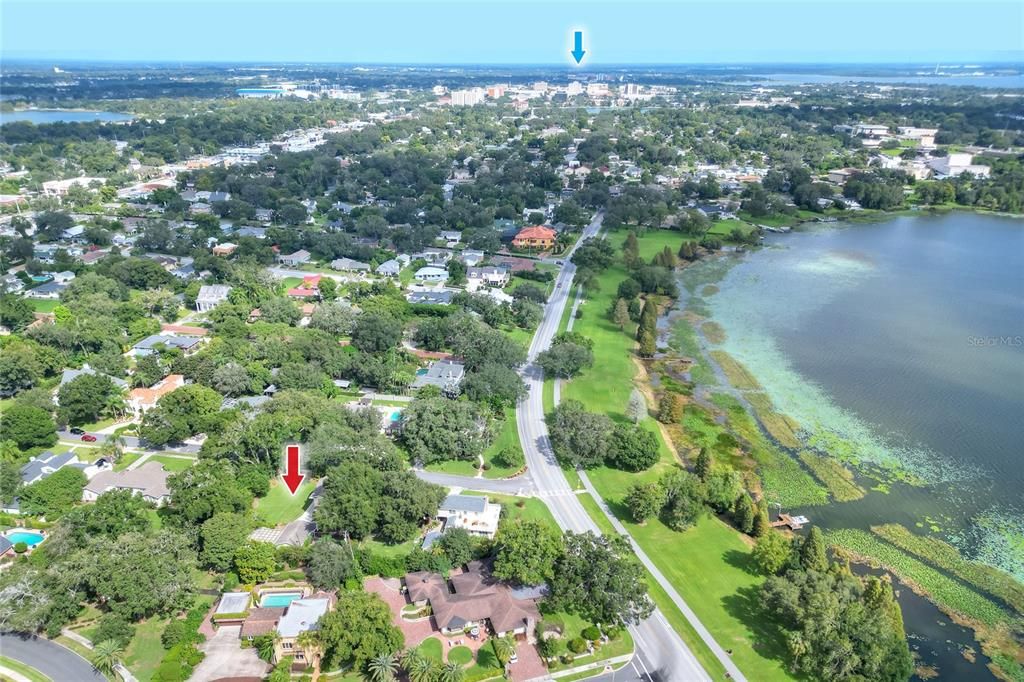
[
  {"x": 49, "y": 658},
  {"x": 661, "y": 653}
]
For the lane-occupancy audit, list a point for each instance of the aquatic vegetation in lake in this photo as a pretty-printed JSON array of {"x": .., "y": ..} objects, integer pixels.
[
  {"x": 780, "y": 426},
  {"x": 837, "y": 478},
  {"x": 996, "y": 538},
  {"x": 713, "y": 332},
  {"x": 945, "y": 556},
  {"x": 735, "y": 372}
]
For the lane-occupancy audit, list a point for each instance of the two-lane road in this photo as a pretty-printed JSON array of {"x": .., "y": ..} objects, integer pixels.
[{"x": 661, "y": 653}]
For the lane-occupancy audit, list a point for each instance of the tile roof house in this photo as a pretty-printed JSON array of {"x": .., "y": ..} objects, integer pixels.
[
  {"x": 473, "y": 598},
  {"x": 144, "y": 399},
  {"x": 445, "y": 374},
  {"x": 261, "y": 620},
  {"x": 310, "y": 288},
  {"x": 148, "y": 480},
  {"x": 535, "y": 237},
  {"x": 289, "y": 622}
]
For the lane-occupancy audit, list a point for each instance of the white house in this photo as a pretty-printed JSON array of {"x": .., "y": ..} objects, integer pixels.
[
  {"x": 431, "y": 273},
  {"x": 476, "y": 515},
  {"x": 490, "y": 276},
  {"x": 211, "y": 295},
  {"x": 957, "y": 164}
]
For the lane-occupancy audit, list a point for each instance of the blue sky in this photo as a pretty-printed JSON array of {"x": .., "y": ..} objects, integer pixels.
[{"x": 501, "y": 32}]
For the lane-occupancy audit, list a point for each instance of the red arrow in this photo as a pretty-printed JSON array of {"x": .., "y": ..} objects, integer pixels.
[{"x": 292, "y": 478}]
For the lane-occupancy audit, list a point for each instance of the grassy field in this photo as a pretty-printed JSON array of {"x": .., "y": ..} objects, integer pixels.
[
  {"x": 724, "y": 228},
  {"x": 708, "y": 564},
  {"x": 507, "y": 437},
  {"x": 573, "y": 625},
  {"x": 126, "y": 460},
  {"x": 41, "y": 306},
  {"x": 528, "y": 508},
  {"x": 291, "y": 282},
  {"x": 280, "y": 506},
  {"x": 596, "y": 515},
  {"x": 173, "y": 464},
  {"x": 457, "y": 467},
  {"x": 25, "y": 671},
  {"x": 145, "y": 651}
]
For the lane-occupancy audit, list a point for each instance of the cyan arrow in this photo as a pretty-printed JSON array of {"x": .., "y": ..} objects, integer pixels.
[{"x": 578, "y": 52}]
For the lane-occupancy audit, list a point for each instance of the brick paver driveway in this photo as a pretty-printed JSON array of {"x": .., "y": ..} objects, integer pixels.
[{"x": 388, "y": 590}]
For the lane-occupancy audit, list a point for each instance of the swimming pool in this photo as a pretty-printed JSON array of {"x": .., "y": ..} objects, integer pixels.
[
  {"x": 421, "y": 371},
  {"x": 396, "y": 416},
  {"x": 280, "y": 599},
  {"x": 28, "y": 537}
]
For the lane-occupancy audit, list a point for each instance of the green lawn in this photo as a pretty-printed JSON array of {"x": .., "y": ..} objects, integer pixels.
[
  {"x": 145, "y": 651},
  {"x": 723, "y": 228},
  {"x": 461, "y": 655},
  {"x": 596, "y": 515},
  {"x": 707, "y": 564},
  {"x": 507, "y": 437},
  {"x": 280, "y": 506},
  {"x": 530, "y": 508},
  {"x": 25, "y": 671},
  {"x": 456, "y": 467},
  {"x": 44, "y": 306},
  {"x": 573, "y": 626},
  {"x": 432, "y": 648},
  {"x": 126, "y": 459},
  {"x": 291, "y": 282},
  {"x": 173, "y": 464}
]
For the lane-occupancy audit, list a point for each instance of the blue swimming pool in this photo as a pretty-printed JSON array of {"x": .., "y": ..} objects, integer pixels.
[
  {"x": 421, "y": 371},
  {"x": 396, "y": 416},
  {"x": 28, "y": 537},
  {"x": 280, "y": 600}
]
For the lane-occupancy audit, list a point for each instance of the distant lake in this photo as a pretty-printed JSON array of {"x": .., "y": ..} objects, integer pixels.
[
  {"x": 40, "y": 116},
  {"x": 994, "y": 81}
]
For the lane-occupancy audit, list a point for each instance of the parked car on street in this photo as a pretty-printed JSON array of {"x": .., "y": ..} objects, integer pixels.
[{"x": 88, "y": 438}]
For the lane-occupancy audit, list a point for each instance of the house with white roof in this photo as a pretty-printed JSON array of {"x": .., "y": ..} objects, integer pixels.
[
  {"x": 474, "y": 514},
  {"x": 431, "y": 273},
  {"x": 490, "y": 276},
  {"x": 211, "y": 295}
]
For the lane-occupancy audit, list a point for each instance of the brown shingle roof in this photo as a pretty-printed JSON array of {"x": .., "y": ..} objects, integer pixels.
[{"x": 261, "y": 620}]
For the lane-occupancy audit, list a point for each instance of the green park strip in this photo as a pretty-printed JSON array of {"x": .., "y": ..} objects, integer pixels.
[
  {"x": 26, "y": 671},
  {"x": 596, "y": 515},
  {"x": 709, "y": 564},
  {"x": 280, "y": 506},
  {"x": 145, "y": 651},
  {"x": 525, "y": 508}
]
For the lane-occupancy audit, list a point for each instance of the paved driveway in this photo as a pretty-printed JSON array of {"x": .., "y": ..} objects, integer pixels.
[
  {"x": 226, "y": 658},
  {"x": 48, "y": 657}
]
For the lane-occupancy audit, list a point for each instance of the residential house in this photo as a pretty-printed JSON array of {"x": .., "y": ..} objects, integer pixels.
[
  {"x": 50, "y": 291},
  {"x": 225, "y": 249},
  {"x": 301, "y": 615},
  {"x": 389, "y": 268},
  {"x": 474, "y": 598},
  {"x": 451, "y": 237},
  {"x": 211, "y": 295},
  {"x": 264, "y": 215},
  {"x": 310, "y": 288},
  {"x": 433, "y": 256},
  {"x": 300, "y": 257},
  {"x": 445, "y": 374},
  {"x": 472, "y": 513},
  {"x": 490, "y": 276},
  {"x": 63, "y": 277},
  {"x": 38, "y": 468},
  {"x": 472, "y": 258},
  {"x": 431, "y": 297},
  {"x": 141, "y": 400},
  {"x": 253, "y": 232},
  {"x": 148, "y": 345},
  {"x": 149, "y": 481},
  {"x": 183, "y": 330},
  {"x": 535, "y": 237},
  {"x": 349, "y": 265},
  {"x": 72, "y": 374},
  {"x": 956, "y": 164},
  {"x": 431, "y": 273}
]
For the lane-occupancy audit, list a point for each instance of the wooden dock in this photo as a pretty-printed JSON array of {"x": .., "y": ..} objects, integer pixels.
[{"x": 791, "y": 522}]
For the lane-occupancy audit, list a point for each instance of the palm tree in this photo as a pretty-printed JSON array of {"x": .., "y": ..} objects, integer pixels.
[
  {"x": 504, "y": 647},
  {"x": 382, "y": 668},
  {"x": 107, "y": 655},
  {"x": 266, "y": 644},
  {"x": 422, "y": 669},
  {"x": 312, "y": 649},
  {"x": 451, "y": 672}
]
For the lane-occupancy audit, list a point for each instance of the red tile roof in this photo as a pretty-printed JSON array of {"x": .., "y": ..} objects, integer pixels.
[{"x": 536, "y": 232}]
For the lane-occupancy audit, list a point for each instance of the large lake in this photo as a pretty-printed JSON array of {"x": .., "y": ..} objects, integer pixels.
[
  {"x": 904, "y": 341},
  {"x": 40, "y": 116}
]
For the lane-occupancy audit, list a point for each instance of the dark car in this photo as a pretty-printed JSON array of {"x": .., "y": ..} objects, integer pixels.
[
  {"x": 88, "y": 438},
  {"x": 76, "y": 431}
]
